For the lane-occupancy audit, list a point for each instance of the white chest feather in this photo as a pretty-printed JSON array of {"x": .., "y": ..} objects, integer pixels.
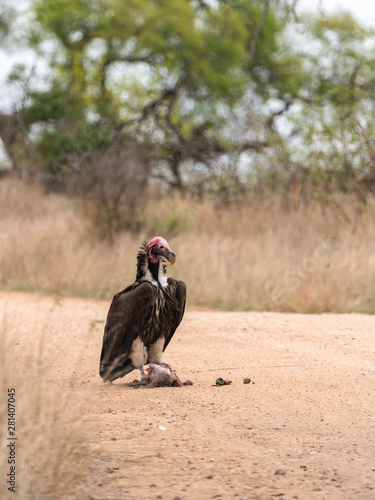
[
  {"x": 162, "y": 278},
  {"x": 148, "y": 277}
]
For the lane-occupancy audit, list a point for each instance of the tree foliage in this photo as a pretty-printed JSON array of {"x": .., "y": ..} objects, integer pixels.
[
  {"x": 7, "y": 14},
  {"x": 335, "y": 119},
  {"x": 167, "y": 78}
]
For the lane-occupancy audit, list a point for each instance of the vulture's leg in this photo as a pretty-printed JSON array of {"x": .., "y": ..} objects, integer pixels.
[
  {"x": 155, "y": 352},
  {"x": 142, "y": 381},
  {"x": 138, "y": 357}
]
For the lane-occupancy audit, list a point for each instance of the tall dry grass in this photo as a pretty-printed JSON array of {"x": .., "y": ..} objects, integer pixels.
[
  {"x": 252, "y": 256},
  {"x": 51, "y": 458}
]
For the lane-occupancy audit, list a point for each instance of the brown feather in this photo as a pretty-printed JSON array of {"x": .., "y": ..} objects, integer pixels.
[{"x": 144, "y": 310}]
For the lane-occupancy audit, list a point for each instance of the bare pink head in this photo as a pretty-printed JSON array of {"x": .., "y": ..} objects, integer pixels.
[{"x": 158, "y": 246}]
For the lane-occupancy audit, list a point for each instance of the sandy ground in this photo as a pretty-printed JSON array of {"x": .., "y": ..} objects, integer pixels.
[{"x": 303, "y": 429}]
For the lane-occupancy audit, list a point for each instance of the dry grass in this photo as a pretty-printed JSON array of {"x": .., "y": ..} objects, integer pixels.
[
  {"x": 256, "y": 256},
  {"x": 51, "y": 461}
]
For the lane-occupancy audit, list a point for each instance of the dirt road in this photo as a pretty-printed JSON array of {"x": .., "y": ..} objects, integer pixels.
[{"x": 304, "y": 428}]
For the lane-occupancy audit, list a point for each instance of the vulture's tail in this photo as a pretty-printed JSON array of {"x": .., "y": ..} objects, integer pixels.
[{"x": 116, "y": 369}]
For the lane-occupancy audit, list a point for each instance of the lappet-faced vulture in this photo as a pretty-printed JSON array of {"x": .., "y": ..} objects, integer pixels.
[{"x": 143, "y": 318}]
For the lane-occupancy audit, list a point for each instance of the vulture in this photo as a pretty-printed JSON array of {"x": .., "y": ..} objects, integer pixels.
[{"x": 143, "y": 318}]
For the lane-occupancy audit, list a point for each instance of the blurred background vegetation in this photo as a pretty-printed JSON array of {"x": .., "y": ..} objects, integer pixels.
[{"x": 235, "y": 102}]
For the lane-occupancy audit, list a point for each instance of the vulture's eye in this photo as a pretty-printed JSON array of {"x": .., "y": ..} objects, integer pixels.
[{"x": 161, "y": 246}]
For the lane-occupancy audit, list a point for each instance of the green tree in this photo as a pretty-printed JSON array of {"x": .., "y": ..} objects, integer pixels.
[
  {"x": 7, "y": 15},
  {"x": 207, "y": 94},
  {"x": 335, "y": 118},
  {"x": 166, "y": 78}
]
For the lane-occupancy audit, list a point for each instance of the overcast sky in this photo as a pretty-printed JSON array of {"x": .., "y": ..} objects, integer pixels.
[{"x": 364, "y": 10}]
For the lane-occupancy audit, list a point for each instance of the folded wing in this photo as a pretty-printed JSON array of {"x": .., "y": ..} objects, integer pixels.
[{"x": 125, "y": 322}]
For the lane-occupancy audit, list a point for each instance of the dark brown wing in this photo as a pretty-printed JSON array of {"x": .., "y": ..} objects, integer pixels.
[
  {"x": 176, "y": 296},
  {"x": 125, "y": 322}
]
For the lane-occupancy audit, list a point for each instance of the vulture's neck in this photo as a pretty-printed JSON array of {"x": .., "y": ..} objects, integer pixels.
[{"x": 155, "y": 273}]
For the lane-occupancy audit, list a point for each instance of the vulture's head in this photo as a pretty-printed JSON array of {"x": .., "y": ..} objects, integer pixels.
[{"x": 158, "y": 247}]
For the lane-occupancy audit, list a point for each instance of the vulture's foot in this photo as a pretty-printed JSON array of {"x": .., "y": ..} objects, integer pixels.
[
  {"x": 143, "y": 381},
  {"x": 139, "y": 383}
]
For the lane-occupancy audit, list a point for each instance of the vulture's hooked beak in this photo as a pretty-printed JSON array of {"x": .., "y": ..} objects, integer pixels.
[
  {"x": 171, "y": 256},
  {"x": 165, "y": 252}
]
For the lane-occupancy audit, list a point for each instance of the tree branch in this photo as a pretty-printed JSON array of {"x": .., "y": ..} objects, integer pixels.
[
  {"x": 258, "y": 29},
  {"x": 284, "y": 109},
  {"x": 352, "y": 82}
]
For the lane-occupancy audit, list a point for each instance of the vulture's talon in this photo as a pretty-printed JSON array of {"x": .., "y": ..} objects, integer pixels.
[{"x": 139, "y": 383}]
